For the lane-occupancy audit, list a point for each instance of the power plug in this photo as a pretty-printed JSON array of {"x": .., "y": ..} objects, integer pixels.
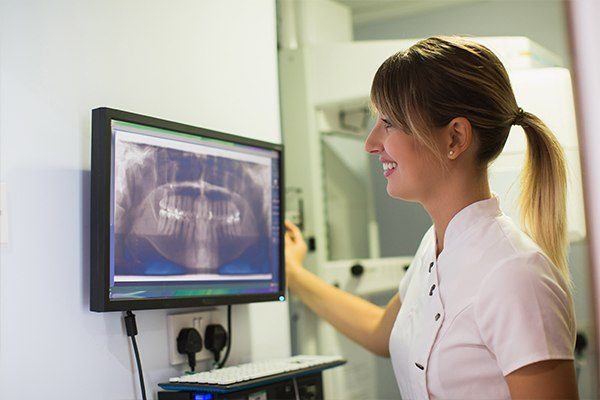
[
  {"x": 215, "y": 338},
  {"x": 189, "y": 342}
]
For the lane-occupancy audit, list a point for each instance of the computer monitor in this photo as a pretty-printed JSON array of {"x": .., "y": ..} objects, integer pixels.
[{"x": 182, "y": 216}]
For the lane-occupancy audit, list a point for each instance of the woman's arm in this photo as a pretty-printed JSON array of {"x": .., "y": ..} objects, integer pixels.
[
  {"x": 363, "y": 322},
  {"x": 551, "y": 379}
]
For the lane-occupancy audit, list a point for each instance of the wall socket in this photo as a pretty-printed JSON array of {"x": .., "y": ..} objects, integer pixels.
[{"x": 199, "y": 320}]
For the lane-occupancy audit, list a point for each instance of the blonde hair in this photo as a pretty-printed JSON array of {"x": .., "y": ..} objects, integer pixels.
[{"x": 441, "y": 78}]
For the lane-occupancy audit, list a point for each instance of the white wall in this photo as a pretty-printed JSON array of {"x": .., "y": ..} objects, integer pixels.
[{"x": 207, "y": 63}]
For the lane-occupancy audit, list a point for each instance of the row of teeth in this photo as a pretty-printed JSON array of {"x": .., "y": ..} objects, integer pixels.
[
  {"x": 177, "y": 215},
  {"x": 389, "y": 165}
]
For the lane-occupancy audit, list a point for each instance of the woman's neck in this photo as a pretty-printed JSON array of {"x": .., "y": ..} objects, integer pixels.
[{"x": 446, "y": 203}]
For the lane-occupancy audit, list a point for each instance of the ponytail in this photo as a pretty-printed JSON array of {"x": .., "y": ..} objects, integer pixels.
[{"x": 543, "y": 191}]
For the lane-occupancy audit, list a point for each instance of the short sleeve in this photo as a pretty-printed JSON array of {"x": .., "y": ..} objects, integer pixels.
[{"x": 524, "y": 312}]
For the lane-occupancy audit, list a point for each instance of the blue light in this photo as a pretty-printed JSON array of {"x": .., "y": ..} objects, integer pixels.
[
  {"x": 203, "y": 396},
  {"x": 281, "y": 298}
]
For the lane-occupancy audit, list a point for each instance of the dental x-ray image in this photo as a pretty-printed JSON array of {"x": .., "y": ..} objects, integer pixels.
[{"x": 186, "y": 213}]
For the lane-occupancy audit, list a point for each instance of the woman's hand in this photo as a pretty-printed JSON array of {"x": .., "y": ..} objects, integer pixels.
[{"x": 295, "y": 248}]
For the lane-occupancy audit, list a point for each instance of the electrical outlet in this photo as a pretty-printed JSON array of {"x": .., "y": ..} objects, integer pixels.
[{"x": 199, "y": 320}]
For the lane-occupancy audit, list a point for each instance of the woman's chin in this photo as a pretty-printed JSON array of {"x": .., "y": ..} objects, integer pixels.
[
  {"x": 394, "y": 191},
  {"x": 399, "y": 193}
]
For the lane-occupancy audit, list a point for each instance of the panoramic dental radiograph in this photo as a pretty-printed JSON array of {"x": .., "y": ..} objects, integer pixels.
[{"x": 178, "y": 212}]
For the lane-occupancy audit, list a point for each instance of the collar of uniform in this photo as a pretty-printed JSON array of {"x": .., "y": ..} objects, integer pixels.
[{"x": 469, "y": 216}]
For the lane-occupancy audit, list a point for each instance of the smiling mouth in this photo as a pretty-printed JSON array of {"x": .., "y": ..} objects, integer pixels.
[{"x": 389, "y": 168}]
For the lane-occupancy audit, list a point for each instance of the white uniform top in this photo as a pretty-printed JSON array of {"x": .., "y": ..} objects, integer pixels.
[{"x": 491, "y": 303}]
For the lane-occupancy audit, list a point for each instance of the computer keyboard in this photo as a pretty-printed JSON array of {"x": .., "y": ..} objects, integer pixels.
[{"x": 255, "y": 370}]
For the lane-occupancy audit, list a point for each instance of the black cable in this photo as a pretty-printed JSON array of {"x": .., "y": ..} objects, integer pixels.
[
  {"x": 222, "y": 363},
  {"x": 131, "y": 328},
  {"x": 139, "y": 367}
]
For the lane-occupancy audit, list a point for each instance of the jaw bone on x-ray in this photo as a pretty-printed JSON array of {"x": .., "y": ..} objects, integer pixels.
[{"x": 178, "y": 212}]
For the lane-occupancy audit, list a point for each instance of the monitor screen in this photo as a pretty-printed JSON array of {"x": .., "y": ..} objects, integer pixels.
[{"x": 194, "y": 216}]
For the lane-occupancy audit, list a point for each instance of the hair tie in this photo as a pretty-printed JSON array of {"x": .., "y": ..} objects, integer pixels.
[{"x": 519, "y": 117}]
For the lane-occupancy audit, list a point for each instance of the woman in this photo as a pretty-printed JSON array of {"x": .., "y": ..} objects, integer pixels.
[{"x": 484, "y": 310}]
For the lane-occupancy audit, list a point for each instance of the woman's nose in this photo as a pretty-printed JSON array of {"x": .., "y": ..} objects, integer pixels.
[{"x": 372, "y": 145}]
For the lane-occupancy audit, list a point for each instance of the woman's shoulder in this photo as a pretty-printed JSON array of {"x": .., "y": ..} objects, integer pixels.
[
  {"x": 522, "y": 255},
  {"x": 514, "y": 261},
  {"x": 515, "y": 236},
  {"x": 522, "y": 267}
]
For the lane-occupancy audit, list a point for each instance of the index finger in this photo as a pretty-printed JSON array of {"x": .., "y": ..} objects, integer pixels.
[{"x": 290, "y": 225}]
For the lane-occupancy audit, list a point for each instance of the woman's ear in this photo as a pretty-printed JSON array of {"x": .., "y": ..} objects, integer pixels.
[{"x": 459, "y": 136}]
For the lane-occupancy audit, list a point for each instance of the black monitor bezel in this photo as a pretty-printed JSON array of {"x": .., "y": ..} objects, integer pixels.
[{"x": 100, "y": 215}]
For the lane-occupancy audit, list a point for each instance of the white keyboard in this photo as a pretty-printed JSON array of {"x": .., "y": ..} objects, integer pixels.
[{"x": 255, "y": 370}]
